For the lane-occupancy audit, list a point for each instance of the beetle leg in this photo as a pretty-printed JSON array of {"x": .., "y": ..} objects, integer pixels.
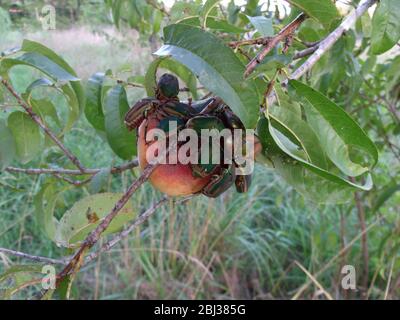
[
  {"x": 230, "y": 119},
  {"x": 145, "y": 134},
  {"x": 135, "y": 116},
  {"x": 212, "y": 106},
  {"x": 242, "y": 182},
  {"x": 219, "y": 183}
]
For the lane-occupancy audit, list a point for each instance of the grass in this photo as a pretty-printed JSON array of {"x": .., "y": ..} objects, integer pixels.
[{"x": 236, "y": 246}]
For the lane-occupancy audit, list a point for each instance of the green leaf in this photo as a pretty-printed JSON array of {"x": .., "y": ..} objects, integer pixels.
[
  {"x": 366, "y": 24},
  {"x": 384, "y": 195},
  {"x": 311, "y": 31},
  {"x": 20, "y": 268},
  {"x": 42, "y": 63},
  {"x": 45, "y": 109},
  {"x": 303, "y": 133},
  {"x": 312, "y": 182},
  {"x": 213, "y": 23},
  {"x": 150, "y": 79},
  {"x": 7, "y": 145},
  {"x": 45, "y": 203},
  {"x": 73, "y": 105},
  {"x": 41, "y": 82},
  {"x": 99, "y": 180},
  {"x": 282, "y": 143},
  {"x": 48, "y": 108},
  {"x": 62, "y": 289},
  {"x": 179, "y": 69},
  {"x": 189, "y": 8},
  {"x": 16, "y": 276},
  {"x": 263, "y": 25},
  {"x": 94, "y": 109},
  {"x": 28, "y": 139},
  {"x": 385, "y": 26},
  {"x": 157, "y": 20},
  {"x": 223, "y": 26},
  {"x": 32, "y": 46},
  {"x": 48, "y": 62},
  {"x": 121, "y": 141},
  {"x": 216, "y": 66},
  {"x": 272, "y": 61},
  {"x": 340, "y": 136},
  {"x": 322, "y": 10},
  {"x": 208, "y": 6},
  {"x": 86, "y": 214}
]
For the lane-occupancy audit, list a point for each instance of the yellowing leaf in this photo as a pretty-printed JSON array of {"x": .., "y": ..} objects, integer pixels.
[{"x": 86, "y": 214}]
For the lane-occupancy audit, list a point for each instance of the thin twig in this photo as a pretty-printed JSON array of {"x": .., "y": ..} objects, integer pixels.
[
  {"x": 282, "y": 35},
  {"x": 248, "y": 42},
  {"x": 41, "y": 124},
  {"x": 33, "y": 257},
  {"x": 76, "y": 183},
  {"x": 364, "y": 240},
  {"x": 186, "y": 89},
  {"x": 161, "y": 7},
  {"x": 138, "y": 221},
  {"x": 305, "y": 52},
  {"x": 94, "y": 236},
  {"x": 107, "y": 246},
  {"x": 314, "y": 280},
  {"x": 392, "y": 108},
  {"x": 328, "y": 42},
  {"x": 389, "y": 279},
  {"x": 117, "y": 169},
  {"x": 123, "y": 234},
  {"x": 244, "y": 53},
  {"x": 75, "y": 262}
]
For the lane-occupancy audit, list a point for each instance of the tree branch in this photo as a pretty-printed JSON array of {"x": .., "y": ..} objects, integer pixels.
[
  {"x": 123, "y": 234},
  {"x": 76, "y": 183},
  {"x": 105, "y": 247},
  {"x": 76, "y": 261},
  {"x": 94, "y": 236},
  {"x": 41, "y": 124},
  {"x": 248, "y": 42},
  {"x": 328, "y": 42},
  {"x": 117, "y": 169},
  {"x": 32, "y": 257},
  {"x": 282, "y": 35},
  {"x": 305, "y": 52},
  {"x": 138, "y": 221}
]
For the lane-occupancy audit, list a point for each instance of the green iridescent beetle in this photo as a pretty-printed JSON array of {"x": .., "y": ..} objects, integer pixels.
[
  {"x": 215, "y": 108},
  {"x": 211, "y": 113},
  {"x": 165, "y": 104}
]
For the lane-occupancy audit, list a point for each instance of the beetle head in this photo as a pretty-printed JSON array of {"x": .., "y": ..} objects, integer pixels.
[{"x": 167, "y": 86}]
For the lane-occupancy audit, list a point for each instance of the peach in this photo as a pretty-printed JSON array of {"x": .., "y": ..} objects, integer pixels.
[{"x": 171, "y": 179}]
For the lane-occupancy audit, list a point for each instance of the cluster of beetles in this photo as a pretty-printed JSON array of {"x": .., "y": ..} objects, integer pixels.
[{"x": 211, "y": 113}]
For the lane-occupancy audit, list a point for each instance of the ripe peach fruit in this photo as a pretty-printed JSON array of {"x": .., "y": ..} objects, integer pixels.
[{"x": 171, "y": 179}]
